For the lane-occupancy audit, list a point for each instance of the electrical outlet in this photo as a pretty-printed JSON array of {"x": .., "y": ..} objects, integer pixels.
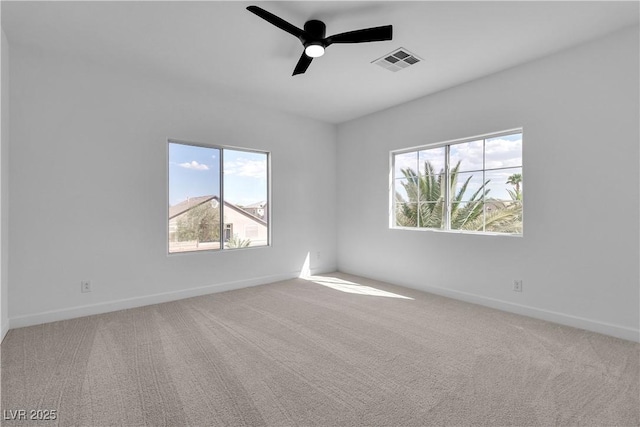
[
  {"x": 85, "y": 286},
  {"x": 318, "y": 255},
  {"x": 517, "y": 286}
]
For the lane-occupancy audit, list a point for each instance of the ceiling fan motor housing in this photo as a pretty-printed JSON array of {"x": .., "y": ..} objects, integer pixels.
[{"x": 316, "y": 31}]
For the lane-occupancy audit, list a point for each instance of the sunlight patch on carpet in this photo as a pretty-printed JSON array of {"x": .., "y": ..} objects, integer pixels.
[{"x": 352, "y": 287}]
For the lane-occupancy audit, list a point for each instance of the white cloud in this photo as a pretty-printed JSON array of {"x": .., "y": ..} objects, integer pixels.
[
  {"x": 469, "y": 154},
  {"x": 498, "y": 153},
  {"x": 405, "y": 161},
  {"x": 501, "y": 153},
  {"x": 246, "y": 167},
  {"x": 194, "y": 166}
]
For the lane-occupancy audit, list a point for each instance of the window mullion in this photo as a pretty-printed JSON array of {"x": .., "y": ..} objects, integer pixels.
[
  {"x": 418, "y": 210},
  {"x": 221, "y": 192},
  {"x": 393, "y": 222},
  {"x": 484, "y": 180},
  {"x": 447, "y": 185}
]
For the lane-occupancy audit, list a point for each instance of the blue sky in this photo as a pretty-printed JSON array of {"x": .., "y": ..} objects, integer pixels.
[{"x": 194, "y": 171}]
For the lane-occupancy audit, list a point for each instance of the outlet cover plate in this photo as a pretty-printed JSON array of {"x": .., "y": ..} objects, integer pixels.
[
  {"x": 85, "y": 286},
  {"x": 517, "y": 286}
]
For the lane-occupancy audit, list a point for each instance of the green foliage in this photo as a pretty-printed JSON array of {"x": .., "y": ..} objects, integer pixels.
[
  {"x": 505, "y": 217},
  {"x": 201, "y": 223},
  {"x": 236, "y": 242},
  {"x": 425, "y": 203},
  {"x": 515, "y": 180}
]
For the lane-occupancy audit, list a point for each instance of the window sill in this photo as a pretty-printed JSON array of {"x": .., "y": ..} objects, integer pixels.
[{"x": 476, "y": 233}]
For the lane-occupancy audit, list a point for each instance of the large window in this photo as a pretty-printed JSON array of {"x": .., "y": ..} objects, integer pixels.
[
  {"x": 207, "y": 184},
  {"x": 472, "y": 185}
]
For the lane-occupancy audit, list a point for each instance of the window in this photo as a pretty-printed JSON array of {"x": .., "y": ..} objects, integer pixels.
[
  {"x": 208, "y": 183},
  {"x": 228, "y": 232},
  {"x": 472, "y": 185}
]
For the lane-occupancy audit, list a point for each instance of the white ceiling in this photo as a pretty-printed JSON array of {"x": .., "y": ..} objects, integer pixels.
[{"x": 221, "y": 47}]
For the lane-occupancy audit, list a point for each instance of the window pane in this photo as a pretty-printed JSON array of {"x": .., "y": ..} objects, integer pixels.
[
  {"x": 503, "y": 217},
  {"x": 405, "y": 161},
  {"x": 504, "y": 184},
  {"x": 432, "y": 215},
  {"x": 503, "y": 205},
  {"x": 467, "y": 216},
  {"x": 468, "y": 155},
  {"x": 245, "y": 208},
  {"x": 431, "y": 161},
  {"x": 432, "y": 188},
  {"x": 194, "y": 194},
  {"x": 406, "y": 214},
  {"x": 504, "y": 151},
  {"x": 404, "y": 192},
  {"x": 467, "y": 186}
]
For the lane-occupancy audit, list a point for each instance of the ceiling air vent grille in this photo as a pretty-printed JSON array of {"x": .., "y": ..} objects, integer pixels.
[{"x": 397, "y": 60}]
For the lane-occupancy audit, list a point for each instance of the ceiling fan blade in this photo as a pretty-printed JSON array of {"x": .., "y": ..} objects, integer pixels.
[
  {"x": 303, "y": 64},
  {"x": 277, "y": 21},
  {"x": 375, "y": 34}
]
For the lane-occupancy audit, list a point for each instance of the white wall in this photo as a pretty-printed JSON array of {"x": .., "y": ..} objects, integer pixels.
[
  {"x": 4, "y": 189},
  {"x": 88, "y": 196},
  {"x": 579, "y": 254}
]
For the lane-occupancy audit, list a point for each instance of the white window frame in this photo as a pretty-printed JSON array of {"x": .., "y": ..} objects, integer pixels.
[
  {"x": 221, "y": 149},
  {"x": 447, "y": 213}
]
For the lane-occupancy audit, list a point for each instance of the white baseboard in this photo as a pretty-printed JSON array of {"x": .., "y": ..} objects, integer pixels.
[
  {"x": 618, "y": 331},
  {"x": 123, "y": 304}
]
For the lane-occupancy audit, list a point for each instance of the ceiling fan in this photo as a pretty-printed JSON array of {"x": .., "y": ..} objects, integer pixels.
[{"x": 313, "y": 36}]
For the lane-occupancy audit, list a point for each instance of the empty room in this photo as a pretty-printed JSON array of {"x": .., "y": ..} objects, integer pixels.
[{"x": 310, "y": 213}]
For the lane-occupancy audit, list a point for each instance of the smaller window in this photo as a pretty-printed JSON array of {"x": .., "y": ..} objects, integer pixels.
[
  {"x": 472, "y": 185},
  {"x": 228, "y": 232},
  {"x": 215, "y": 194}
]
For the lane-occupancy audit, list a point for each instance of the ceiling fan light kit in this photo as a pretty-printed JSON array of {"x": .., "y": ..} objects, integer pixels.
[
  {"x": 314, "y": 50},
  {"x": 313, "y": 36}
]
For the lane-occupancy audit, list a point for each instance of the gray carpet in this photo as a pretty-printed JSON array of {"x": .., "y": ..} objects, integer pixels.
[{"x": 306, "y": 354}]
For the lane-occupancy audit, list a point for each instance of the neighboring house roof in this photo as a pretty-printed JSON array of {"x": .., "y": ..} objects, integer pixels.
[
  {"x": 192, "y": 202},
  {"x": 494, "y": 204},
  {"x": 257, "y": 205},
  {"x": 188, "y": 204}
]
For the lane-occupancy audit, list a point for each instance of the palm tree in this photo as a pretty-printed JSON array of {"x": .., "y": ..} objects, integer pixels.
[
  {"x": 506, "y": 217},
  {"x": 515, "y": 179},
  {"x": 425, "y": 204},
  {"x": 428, "y": 189}
]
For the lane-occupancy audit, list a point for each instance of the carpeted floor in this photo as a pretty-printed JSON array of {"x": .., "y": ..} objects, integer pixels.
[{"x": 341, "y": 351}]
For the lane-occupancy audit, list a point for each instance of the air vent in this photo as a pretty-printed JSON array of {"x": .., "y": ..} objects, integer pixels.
[{"x": 397, "y": 60}]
